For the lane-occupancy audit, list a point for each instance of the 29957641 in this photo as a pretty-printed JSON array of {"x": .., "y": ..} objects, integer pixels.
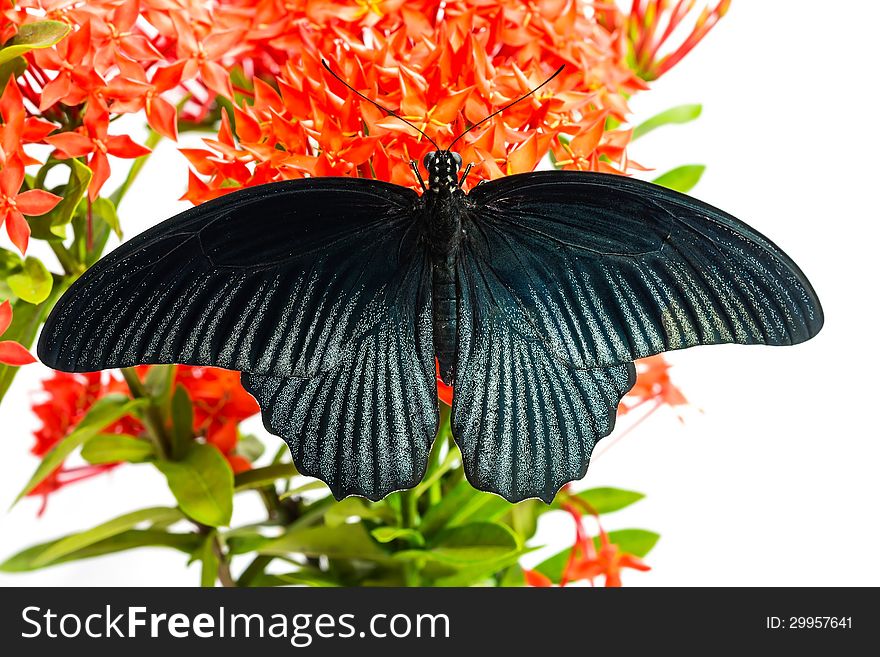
[{"x": 809, "y": 622}]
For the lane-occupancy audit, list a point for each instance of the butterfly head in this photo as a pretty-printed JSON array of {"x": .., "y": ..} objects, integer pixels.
[{"x": 442, "y": 168}]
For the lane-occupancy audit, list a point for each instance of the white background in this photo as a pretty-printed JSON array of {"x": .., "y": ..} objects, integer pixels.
[{"x": 775, "y": 482}]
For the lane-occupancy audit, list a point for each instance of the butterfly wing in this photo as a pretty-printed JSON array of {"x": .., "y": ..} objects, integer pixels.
[
  {"x": 278, "y": 279},
  {"x": 366, "y": 426},
  {"x": 605, "y": 269},
  {"x": 306, "y": 286},
  {"x": 525, "y": 420}
]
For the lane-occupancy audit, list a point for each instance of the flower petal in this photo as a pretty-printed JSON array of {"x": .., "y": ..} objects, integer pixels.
[
  {"x": 18, "y": 229},
  {"x": 36, "y": 202},
  {"x": 5, "y": 316},
  {"x": 12, "y": 353},
  {"x": 125, "y": 146},
  {"x": 71, "y": 144}
]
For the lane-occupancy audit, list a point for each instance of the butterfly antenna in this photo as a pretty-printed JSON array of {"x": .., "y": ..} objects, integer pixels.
[
  {"x": 506, "y": 107},
  {"x": 382, "y": 107}
]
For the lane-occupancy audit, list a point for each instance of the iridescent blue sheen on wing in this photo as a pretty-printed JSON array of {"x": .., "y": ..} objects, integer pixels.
[
  {"x": 607, "y": 269},
  {"x": 318, "y": 290}
]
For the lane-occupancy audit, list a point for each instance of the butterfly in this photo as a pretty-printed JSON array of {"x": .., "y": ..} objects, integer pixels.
[{"x": 534, "y": 293}]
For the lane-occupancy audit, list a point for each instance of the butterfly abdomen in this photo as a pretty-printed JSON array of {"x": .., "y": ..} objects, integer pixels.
[{"x": 445, "y": 317}]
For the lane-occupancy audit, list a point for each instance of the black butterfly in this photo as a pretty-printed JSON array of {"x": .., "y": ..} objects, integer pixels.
[{"x": 535, "y": 293}]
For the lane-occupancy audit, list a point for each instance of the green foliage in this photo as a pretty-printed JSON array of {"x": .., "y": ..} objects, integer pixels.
[
  {"x": 40, "y": 34},
  {"x": 117, "y": 448},
  {"x": 202, "y": 484},
  {"x": 681, "y": 179},
  {"x": 77, "y": 542},
  {"x": 674, "y": 115},
  {"x": 105, "y": 411},
  {"x": 31, "y": 281}
]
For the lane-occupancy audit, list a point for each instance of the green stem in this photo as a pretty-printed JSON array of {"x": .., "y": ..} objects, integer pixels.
[
  {"x": 152, "y": 419},
  {"x": 223, "y": 572},
  {"x": 410, "y": 519},
  {"x": 152, "y": 141},
  {"x": 256, "y": 567},
  {"x": 67, "y": 261}
]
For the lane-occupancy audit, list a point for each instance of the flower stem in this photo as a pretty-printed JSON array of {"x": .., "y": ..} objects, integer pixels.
[
  {"x": 151, "y": 142},
  {"x": 152, "y": 420},
  {"x": 223, "y": 572},
  {"x": 410, "y": 519}
]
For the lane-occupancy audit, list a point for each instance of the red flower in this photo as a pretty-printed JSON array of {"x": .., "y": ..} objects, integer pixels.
[
  {"x": 536, "y": 579},
  {"x": 67, "y": 399},
  {"x": 586, "y": 563},
  {"x": 220, "y": 403},
  {"x": 14, "y": 204},
  {"x": 444, "y": 392},
  {"x": 652, "y": 22},
  {"x": 18, "y": 128},
  {"x": 653, "y": 385},
  {"x": 11, "y": 352},
  {"x": 94, "y": 141}
]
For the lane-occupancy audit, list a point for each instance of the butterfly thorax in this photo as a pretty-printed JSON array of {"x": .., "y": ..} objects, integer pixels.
[{"x": 444, "y": 207}]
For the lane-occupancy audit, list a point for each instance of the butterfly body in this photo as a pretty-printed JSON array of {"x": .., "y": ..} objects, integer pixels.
[{"x": 443, "y": 204}]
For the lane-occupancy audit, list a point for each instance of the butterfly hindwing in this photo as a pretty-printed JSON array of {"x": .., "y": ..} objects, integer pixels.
[
  {"x": 279, "y": 279},
  {"x": 607, "y": 269},
  {"x": 525, "y": 420},
  {"x": 366, "y": 426}
]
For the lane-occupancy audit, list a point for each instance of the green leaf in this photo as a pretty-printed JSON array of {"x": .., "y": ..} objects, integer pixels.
[
  {"x": 304, "y": 576},
  {"x": 72, "y": 198},
  {"x": 242, "y": 541},
  {"x": 250, "y": 447},
  {"x": 681, "y": 179},
  {"x": 350, "y": 541},
  {"x": 11, "y": 69},
  {"x": 117, "y": 448},
  {"x": 133, "y": 538},
  {"x": 210, "y": 561},
  {"x": 481, "y": 573},
  {"x": 607, "y": 500},
  {"x": 158, "y": 383},
  {"x": 259, "y": 477},
  {"x": 524, "y": 517},
  {"x": 76, "y": 542},
  {"x": 674, "y": 115},
  {"x": 201, "y": 482},
  {"x": 315, "y": 484},
  {"x": 9, "y": 262},
  {"x": 33, "y": 283},
  {"x": 181, "y": 422},
  {"x": 105, "y": 411},
  {"x": 26, "y": 321},
  {"x": 513, "y": 577},
  {"x": 31, "y": 36},
  {"x": 388, "y": 534},
  {"x": 355, "y": 507},
  {"x": 103, "y": 209},
  {"x": 469, "y": 545},
  {"x": 438, "y": 515},
  {"x": 637, "y": 542}
]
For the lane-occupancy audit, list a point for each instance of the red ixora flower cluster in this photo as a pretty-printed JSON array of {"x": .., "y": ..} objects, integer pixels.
[
  {"x": 443, "y": 67},
  {"x": 586, "y": 562},
  {"x": 652, "y": 23},
  {"x": 219, "y": 404}
]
